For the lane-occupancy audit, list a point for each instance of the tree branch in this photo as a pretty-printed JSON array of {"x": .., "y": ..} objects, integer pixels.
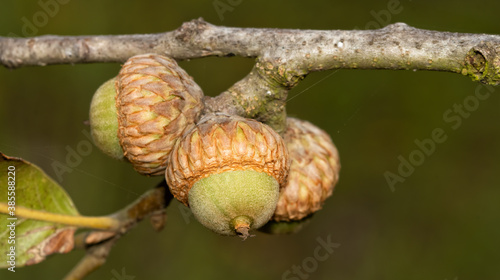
[
  {"x": 94, "y": 258},
  {"x": 98, "y": 244},
  {"x": 284, "y": 56}
]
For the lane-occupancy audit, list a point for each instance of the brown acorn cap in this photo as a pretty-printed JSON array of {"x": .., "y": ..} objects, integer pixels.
[
  {"x": 314, "y": 171},
  {"x": 220, "y": 143},
  {"x": 156, "y": 101}
]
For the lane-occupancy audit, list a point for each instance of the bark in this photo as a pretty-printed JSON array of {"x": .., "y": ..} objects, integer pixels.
[{"x": 283, "y": 57}]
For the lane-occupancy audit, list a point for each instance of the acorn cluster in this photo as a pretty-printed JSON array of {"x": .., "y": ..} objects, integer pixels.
[{"x": 236, "y": 174}]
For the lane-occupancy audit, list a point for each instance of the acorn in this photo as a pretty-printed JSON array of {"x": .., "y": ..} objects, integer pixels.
[
  {"x": 153, "y": 101},
  {"x": 228, "y": 170},
  {"x": 314, "y": 171},
  {"x": 104, "y": 121}
]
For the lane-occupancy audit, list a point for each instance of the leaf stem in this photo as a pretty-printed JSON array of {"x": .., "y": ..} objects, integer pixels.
[{"x": 102, "y": 223}]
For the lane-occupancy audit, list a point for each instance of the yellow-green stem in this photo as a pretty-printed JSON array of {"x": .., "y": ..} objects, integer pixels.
[{"x": 103, "y": 223}]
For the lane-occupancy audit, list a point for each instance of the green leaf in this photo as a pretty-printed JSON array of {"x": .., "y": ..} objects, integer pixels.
[{"x": 34, "y": 240}]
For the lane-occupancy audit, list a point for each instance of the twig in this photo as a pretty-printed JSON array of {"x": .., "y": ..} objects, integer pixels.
[
  {"x": 94, "y": 258},
  {"x": 98, "y": 243},
  {"x": 397, "y": 46},
  {"x": 284, "y": 56}
]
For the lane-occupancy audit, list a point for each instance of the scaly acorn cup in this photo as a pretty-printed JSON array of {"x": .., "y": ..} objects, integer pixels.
[
  {"x": 228, "y": 170},
  {"x": 314, "y": 171},
  {"x": 155, "y": 101}
]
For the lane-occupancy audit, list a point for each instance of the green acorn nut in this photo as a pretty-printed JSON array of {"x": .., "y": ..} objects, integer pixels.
[
  {"x": 228, "y": 170},
  {"x": 104, "y": 121},
  {"x": 139, "y": 117}
]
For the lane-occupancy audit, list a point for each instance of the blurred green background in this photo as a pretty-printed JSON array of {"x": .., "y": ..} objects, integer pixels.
[{"x": 442, "y": 222}]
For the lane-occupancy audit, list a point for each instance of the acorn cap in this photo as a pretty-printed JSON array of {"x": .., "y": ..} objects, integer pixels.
[
  {"x": 314, "y": 171},
  {"x": 220, "y": 143},
  {"x": 156, "y": 101}
]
